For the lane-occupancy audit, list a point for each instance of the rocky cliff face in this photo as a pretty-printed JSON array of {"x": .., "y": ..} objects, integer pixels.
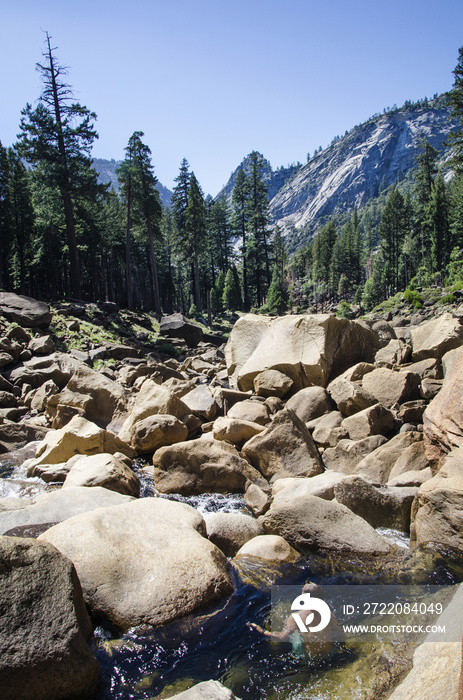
[
  {"x": 274, "y": 179},
  {"x": 106, "y": 170},
  {"x": 351, "y": 170}
]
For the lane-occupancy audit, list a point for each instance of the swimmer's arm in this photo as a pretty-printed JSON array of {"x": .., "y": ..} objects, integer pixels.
[{"x": 287, "y": 630}]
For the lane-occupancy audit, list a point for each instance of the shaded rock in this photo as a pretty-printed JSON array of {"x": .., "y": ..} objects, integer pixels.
[
  {"x": 396, "y": 352},
  {"x": 56, "y": 506},
  {"x": 152, "y": 399},
  {"x": 357, "y": 371},
  {"x": 328, "y": 431},
  {"x": 348, "y": 453},
  {"x": 177, "y": 326},
  {"x": 235, "y": 430},
  {"x": 8, "y": 400},
  {"x": 97, "y": 395},
  {"x": 24, "y": 310},
  {"x": 310, "y": 403},
  {"x": 79, "y": 436},
  {"x": 43, "y": 393},
  {"x": 449, "y": 359},
  {"x": 202, "y": 466},
  {"x": 377, "y": 466},
  {"x": 58, "y": 367},
  {"x": 384, "y": 331},
  {"x": 16, "y": 435},
  {"x": 443, "y": 418},
  {"x": 44, "y": 626},
  {"x": 230, "y": 531},
  {"x": 285, "y": 448},
  {"x": 64, "y": 414},
  {"x": 270, "y": 548},
  {"x": 427, "y": 368},
  {"x": 438, "y": 511},
  {"x": 308, "y": 349},
  {"x": 271, "y": 382},
  {"x": 309, "y": 523},
  {"x": 103, "y": 470},
  {"x": 157, "y": 570},
  {"x": 321, "y": 485},
  {"x": 389, "y": 387},
  {"x": 436, "y": 337},
  {"x": 381, "y": 507},
  {"x": 349, "y": 396},
  {"x": 201, "y": 402},
  {"x": 249, "y": 410},
  {"x": 412, "y": 411},
  {"x": 376, "y": 420},
  {"x": 156, "y": 431},
  {"x": 42, "y": 345},
  {"x": 429, "y": 388}
]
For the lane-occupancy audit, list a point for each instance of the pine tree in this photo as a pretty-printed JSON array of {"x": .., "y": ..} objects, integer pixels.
[
  {"x": 20, "y": 222},
  {"x": 60, "y": 133},
  {"x": 456, "y": 100},
  {"x": 259, "y": 256},
  {"x": 179, "y": 201},
  {"x": 126, "y": 176},
  {"x": 195, "y": 230},
  {"x": 4, "y": 177},
  {"x": 231, "y": 298},
  {"x": 392, "y": 233},
  {"x": 438, "y": 223},
  {"x": 240, "y": 198}
]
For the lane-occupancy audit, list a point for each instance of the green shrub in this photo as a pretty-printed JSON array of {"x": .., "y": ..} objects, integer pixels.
[
  {"x": 345, "y": 310},
  {"x": 411, "y": 296}
]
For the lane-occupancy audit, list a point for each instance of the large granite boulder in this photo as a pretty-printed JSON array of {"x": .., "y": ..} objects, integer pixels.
[
  {"x": 159, "y": 430},
  {"x": 378, "y": 465},
  {"x": 104, "y": 470},
  {"x": 310, "y": 403},
  {"x": 24, "y": 310},
  {"x": 250, "y": 410},
  {"x": 29, "y": 518},
  {"x": 146, "y": 562},
  {"x": 177, "y": 326},
  {"x": 99, "y": 396},
  {"x": 349, "y": 396},
  {"x": 309, "y": 349},
  {"x": 151, "y": 400},
  {"x": 271, "y": 382},
  {"x": 436, "y": 337},
  {"x": 203, "y": 466},
  {"x": 389, "y": 387},
  {"x": 284, "y": 448},
  {"x": 79, "y": 436},
  {"x": 310, "y": 523},
  {"x": 438, "y": 511},
  {"x": 321, "y": 485},
  {"x": 269, "y": 548},
  {"x": 348, "y": 453},
  {"x": 443, "y": 418},
  {"x": 13, "y": 436},
  {"x": 44, "y": 625},
  {"x": 235, "y": 430},
  {"x": 59, "y": 367},
  {"x": 376, "y": 420}
]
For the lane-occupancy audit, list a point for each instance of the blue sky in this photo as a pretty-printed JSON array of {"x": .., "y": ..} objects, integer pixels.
[{"x": 212, "y": 80}]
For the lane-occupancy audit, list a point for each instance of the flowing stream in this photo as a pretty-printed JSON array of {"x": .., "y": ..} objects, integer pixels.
[{"x": 217, "y": 644}]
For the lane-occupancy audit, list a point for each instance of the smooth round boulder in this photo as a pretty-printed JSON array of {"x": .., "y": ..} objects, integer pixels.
[
  {"x": 271, "y": 382},
  {"x": 310, "y": 403},
  {"x": 103, "y": 470},
  {"x": 230, "y": 531},
  {"x": 146, "y": 562},
  {"x": 159, "y": 430},
  {"x": 271, "y": 548}
]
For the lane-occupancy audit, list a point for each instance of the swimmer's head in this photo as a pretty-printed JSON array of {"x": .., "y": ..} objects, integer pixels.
[{"x": 313, "y": 589}]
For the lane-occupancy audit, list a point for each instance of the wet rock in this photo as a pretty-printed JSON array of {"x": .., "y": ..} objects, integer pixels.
[
  {"x": 103, "y": 470},
  {"x": 24, "y": 310},
  {"x": 285, "y": 448},
  {"x": 308, "y": 349},
  {"x": 230, "y": 531},
  {"x": 159, "y": 569},
  {"x": 208, "y": 690},
  {"x": 271, "y": 548},
  {"x": 310, "y": 523},
  {"x": 202, "y": 466}
]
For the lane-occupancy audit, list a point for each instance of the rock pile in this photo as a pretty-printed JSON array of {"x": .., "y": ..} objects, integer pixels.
[{"x": 330, "y": 428}]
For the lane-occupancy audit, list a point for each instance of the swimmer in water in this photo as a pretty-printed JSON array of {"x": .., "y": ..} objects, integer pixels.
[{"x": 320, "y": 645}]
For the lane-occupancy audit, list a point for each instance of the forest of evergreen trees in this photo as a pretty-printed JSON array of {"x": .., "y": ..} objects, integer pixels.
[{"x": 63, "y": 235}]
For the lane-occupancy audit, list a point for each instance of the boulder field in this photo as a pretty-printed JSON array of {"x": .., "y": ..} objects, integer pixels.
[{"x": 329, "y": 428}]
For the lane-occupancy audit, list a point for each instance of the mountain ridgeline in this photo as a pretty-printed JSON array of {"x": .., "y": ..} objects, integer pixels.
[
  {"x": 354, "y": 168},
  {"x": 106, "y": 170}
]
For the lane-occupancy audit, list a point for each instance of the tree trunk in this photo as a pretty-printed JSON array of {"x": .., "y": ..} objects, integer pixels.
[{"x": 154, "y": 269}]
